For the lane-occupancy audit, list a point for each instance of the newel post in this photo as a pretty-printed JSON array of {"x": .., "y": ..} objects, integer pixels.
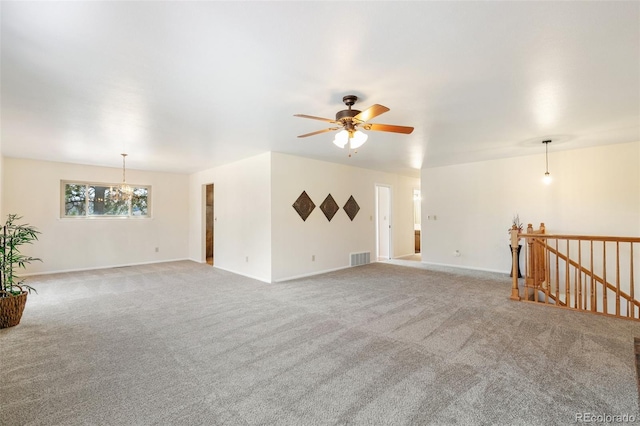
[{"x": 515, "y": 293}]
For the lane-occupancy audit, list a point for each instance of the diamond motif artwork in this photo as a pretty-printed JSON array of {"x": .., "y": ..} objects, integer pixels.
[
  {"x": 329, "y": 207},
  {"x": 351, "y": 207},
  {"x": 304, "y": 206}
]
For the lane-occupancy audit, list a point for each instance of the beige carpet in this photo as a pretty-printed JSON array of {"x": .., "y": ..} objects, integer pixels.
[{"x": 185, "y": 344}]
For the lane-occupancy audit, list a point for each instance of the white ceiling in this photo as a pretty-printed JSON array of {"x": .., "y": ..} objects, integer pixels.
[{"x": 184, "y": 87}]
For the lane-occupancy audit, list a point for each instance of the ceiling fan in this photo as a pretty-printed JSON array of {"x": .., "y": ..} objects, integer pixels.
[{"x": 351, "y": 121}]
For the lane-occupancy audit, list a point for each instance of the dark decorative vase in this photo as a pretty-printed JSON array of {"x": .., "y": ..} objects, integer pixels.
[{"x": 518, "y": 265}]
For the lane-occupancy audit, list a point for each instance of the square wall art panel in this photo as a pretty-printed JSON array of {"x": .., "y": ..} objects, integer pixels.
[
  {"x": 304, "y": 206},
  {"x": 329, "y": 207},
  {"x": 351, "y": 208}
]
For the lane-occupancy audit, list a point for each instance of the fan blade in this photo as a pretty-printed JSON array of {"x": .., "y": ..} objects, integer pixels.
[
  {"x": 388, "y": 128},
  {"x": 318, "y": 132},
  {"x": 371, "y": 112},
  {"x": 328, "y": 120}
]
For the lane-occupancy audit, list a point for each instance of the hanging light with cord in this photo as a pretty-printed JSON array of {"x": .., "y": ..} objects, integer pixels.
[
  {"x": 122, "y": 192},
  {"x": 547, "y": 176}
]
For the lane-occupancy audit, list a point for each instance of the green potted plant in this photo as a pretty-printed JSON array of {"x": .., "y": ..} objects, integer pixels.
[{"x": 13, "y": 293}]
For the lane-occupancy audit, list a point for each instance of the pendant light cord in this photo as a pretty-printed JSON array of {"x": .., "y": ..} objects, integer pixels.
[
  {"x": 546, "y": 155},
  {"x": 124, "y": 156}
]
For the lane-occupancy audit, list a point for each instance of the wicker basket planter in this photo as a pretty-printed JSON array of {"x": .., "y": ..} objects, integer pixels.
[
  {"x": 13, "y": 291},
  {"x": 11, "y": 308}
]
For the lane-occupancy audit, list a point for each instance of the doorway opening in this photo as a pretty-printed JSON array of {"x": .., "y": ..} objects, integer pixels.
[
  {"x": 417, "y": 201},
  {"x": 383, "y": 222},
  {"x": 209, "y": 223}
]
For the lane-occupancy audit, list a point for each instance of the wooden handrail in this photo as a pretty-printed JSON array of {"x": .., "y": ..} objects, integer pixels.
[
  {"x": 582, "y": 238},
  {"x": 557, "y": 270},
  {"x": 587, "y": 271}
]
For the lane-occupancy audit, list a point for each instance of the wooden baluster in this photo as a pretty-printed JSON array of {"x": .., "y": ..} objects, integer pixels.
[
  {"x": 617, "y": 278},
  {"x": 544, "y": 262},
  {"x": 545, "y": 272},
  {"x": 567, "y": 283},
  {"x": 604, "y": 276},
  {"x": 557, "y": 274},
  {"x": 631, "y": 283},
  {"x": 515, "y": 294},
  {"x": 594, "y": 297},
  {"x": 541, "y": 271},
  {"x": 585, "y": 293},
  {"x": 543, "y": 253},
  {"x": 576, "y": 289},
  {"x": 579, "y": 277},
  {"x": 538, "y": 281}
]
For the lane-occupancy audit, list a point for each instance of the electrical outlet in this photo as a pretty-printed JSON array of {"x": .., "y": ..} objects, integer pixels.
[
  {"x": 157, "y": 249},
  {"x": 313, "y": 257},
  {"x": 456, "y": 253}
]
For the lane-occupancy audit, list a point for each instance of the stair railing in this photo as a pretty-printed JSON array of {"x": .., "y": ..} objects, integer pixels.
[{"x": 587, "y": 273}]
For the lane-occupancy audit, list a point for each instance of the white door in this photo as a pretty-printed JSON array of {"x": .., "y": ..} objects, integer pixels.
[{"x": 383, "y": 215}]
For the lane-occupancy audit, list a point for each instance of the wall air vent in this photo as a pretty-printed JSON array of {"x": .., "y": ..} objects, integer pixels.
[{"x": 358, "y": 259}]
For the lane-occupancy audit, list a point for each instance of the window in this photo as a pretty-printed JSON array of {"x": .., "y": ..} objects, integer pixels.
[{"x": 82, "y": 199}]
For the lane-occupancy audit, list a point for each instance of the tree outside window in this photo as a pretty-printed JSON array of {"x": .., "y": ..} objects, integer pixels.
[{"x": 86, "y": 200}]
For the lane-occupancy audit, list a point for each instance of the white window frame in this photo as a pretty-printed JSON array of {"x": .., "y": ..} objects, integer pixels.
[{"x": 64, "y": 183}]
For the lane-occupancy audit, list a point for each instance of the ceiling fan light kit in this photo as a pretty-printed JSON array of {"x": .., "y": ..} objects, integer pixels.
[
  {"x": 350, "y": 121},
  {"x": 355, "y": 139},
  {"x": 341, "y": 139}
]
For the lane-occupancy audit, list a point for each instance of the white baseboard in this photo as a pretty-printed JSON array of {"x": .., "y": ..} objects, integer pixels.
[
  {"x": 404, "y": 255},
  {"x": 242, "y": 273},
  {"x": 473, "y": 268},
  {"x": 311, "y": 274},
  {"x": 63, "y": 271}
]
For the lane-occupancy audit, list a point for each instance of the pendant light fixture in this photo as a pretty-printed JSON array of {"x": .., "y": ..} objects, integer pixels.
[
  {"x": 122, "y": 192},
  {"x": 547, "y": 175}
]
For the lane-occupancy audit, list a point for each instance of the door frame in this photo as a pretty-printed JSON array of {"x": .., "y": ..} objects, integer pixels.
[
  {"x": 377, "y": 221},
  {"x": 203, "y": 228}
]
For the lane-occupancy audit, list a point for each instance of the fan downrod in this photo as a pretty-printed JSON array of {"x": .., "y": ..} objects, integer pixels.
[
  {"x": 346, "y": 115},
  {"x": 349, "y": 100}
]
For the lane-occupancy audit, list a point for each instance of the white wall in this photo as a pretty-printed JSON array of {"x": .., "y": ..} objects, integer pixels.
[
  {"x": 295, "y": 241},
  {"x": 242, "y": 211},
  {"x": 595, "y": 191},
  {"x": 253, "y": 199},
  {"x": 383, "y": 218},
  {"x": 1, "y": 176},
  {"x": 404, "y": 243},
  {"x": 32, "y": 189}
]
